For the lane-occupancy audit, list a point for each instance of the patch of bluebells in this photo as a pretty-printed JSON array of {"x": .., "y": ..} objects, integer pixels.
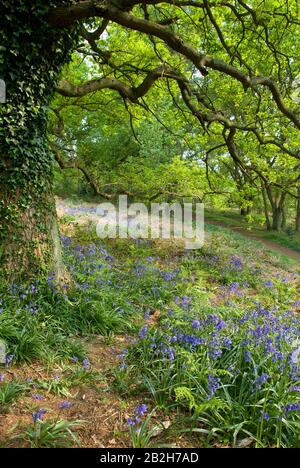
[
  {"x": 31, "y": 309},
  {"x": 295, "y": 388},
  {"x": 170, "y": 275},
  {"x": 122, "y": 358},
  {"x": 235, "y": 263},
  {"x": 269, "y": 284},
  {"x": 257, "y": 335},
  {"x": 184, "y": 302},
  {"x": 213, "y": 383},
  {"x": 233, "y": 269},
  {"x": 227, "y": 292},
  {"x": 291, "y": 407},
  {"x": 77, "y": 210},
  {"x": 90, "y": 264},
  {"x": 140, "y": 412}
]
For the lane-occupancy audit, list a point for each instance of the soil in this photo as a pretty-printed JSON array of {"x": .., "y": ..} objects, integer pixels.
[{"x": 251, "y": 235}]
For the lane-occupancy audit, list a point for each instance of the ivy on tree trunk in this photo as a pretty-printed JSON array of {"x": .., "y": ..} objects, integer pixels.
[{"x": 31, "y": 57}]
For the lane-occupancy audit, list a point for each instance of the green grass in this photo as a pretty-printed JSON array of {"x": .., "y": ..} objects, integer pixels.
[
  {"x": 50, "y": 434},
  {"x": 119, "y": 287},
  {"x": 288, "y": 238},
  {"x": 10, "y": 392}
]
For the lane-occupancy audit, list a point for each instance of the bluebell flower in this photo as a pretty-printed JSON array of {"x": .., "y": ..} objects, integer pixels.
[
  {"x": 269, "y": 284},
  {"x": 38, "y": 415},
  {"x": 264, "y": 416},
  {"x": 196, "y": 324},
  {"x": 38, "y": 396},
  {"x": 143, "y": 332},
  {"x": 8, "y": 359},
  {"x": 64, "y": 405},
  {"x": 213, "y": 385},
  {"x": 261, "y": 380},
  {"x": 291, "y": 407},
  {"x": 141, "y": 409},
  {"x": 86, "y": 364}
]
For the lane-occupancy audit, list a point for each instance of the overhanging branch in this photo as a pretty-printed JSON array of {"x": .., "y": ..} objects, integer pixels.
[{"x": 65, "y": 16}]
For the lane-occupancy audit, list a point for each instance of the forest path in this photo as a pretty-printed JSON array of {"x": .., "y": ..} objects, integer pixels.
[
  {"x": 86, "y": 212},
  {"x": 250, "y": 235}
]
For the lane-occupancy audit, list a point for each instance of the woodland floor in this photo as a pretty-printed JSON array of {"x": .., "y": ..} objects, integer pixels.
[
  {"x": 251, "y": 235},
  {"x": 100, "y": 405}
]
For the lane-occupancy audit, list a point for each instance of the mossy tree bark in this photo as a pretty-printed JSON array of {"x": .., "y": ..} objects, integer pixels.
[
  {"x": 30, "y": 242},
  {"x": 31, "y": 57}
]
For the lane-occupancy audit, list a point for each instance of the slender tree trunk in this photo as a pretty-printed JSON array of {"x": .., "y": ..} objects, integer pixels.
[
  {"x": 266, "y": 209},
  {"x": 276, "y": 224},
  {"x": 283, "y": 220},
  {"x": 282, "y": 210}
]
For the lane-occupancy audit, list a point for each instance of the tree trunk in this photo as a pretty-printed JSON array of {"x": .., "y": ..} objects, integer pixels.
[
  {"x": 277, "y": 205},
  {"x": 283, "y": 218},
  {"x": 30, "y": 62},
  {"x": 281, "y": 207},
  {"x": 276, "y": 224},
  {"x": 30, "y": 241},
  {"x": 266, "y": 209}
]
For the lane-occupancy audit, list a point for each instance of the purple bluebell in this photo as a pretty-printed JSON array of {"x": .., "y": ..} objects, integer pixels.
[
  {"x": 65, "y": 405},
  {"x": 8, "y": 359},
  {"x": 38, "y": 415},
  {"x": 141, "y": 409},
  {"x": 38, "y": 396},
  {"x": 86, "y": 364}
]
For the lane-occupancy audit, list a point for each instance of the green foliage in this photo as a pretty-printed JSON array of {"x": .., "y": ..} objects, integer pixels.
[
  {"x": 10, "y": 392},
  {"x": 50, "y": 434},
  {"x": 143, "y": 149},
  {"x": 69, "y": 378},
  {"x": 184, "y": 395},
  {"x": 228, "y": 366},
  {"x": 141, "y": 433},
  {"x": 214, "y": 344}
]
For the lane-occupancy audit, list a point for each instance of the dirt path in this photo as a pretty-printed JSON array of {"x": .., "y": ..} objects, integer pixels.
[
  {"x": 271, "y": 245},
  {"x": 86, "y": 212}
]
